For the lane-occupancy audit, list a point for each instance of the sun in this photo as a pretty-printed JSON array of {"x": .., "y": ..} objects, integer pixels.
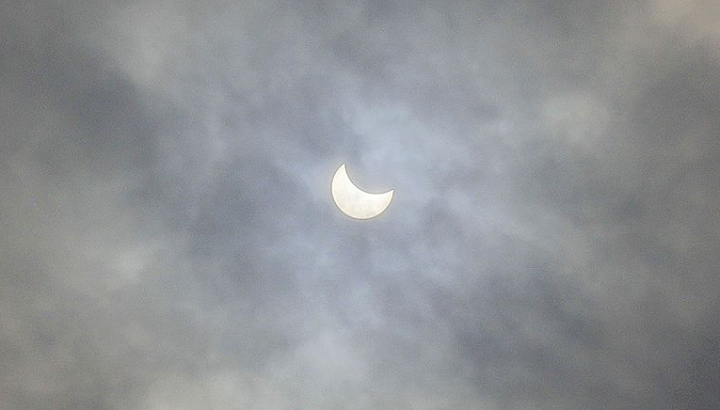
[{"x": 353, "y": 201}]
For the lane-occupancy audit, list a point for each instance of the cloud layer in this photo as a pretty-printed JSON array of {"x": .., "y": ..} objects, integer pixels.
[{"x": 167, "y": 239}]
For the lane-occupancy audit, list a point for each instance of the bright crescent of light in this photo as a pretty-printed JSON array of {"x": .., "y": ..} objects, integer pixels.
[{"x": 353, "y": 201}]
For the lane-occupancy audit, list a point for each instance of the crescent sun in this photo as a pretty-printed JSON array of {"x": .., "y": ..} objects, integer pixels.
[{"x": 353, "y": 201}]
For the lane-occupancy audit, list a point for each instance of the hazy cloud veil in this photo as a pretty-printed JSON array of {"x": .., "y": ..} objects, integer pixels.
[{"x": 168, "y": 240}]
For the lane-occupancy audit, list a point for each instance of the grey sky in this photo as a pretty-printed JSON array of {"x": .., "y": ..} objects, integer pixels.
[{"x": 168, "y": 240}]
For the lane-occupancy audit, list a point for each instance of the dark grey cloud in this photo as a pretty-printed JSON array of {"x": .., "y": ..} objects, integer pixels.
[{"x": 168, "y": 241}]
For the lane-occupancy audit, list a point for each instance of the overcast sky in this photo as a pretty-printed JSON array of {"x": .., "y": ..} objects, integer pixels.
[{"x": 168, "y": 240}]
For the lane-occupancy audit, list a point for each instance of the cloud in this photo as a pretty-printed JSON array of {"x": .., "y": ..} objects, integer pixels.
[{"x": 167, "y": 239}]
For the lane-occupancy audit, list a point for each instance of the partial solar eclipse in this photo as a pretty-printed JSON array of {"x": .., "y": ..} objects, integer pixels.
[{"x": 353, "y": 201}]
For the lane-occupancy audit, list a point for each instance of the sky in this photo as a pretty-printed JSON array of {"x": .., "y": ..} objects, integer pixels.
[{"x": 168, "y": 239}]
